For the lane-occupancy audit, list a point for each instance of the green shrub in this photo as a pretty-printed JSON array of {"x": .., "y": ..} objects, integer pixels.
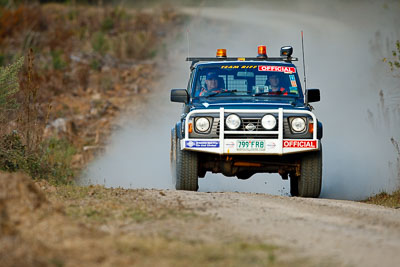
[
  {"x": 135, "y": 45},
  {"x": 72, "y": 14},
  {"x": 100, "y": 43},
  {"x": 51, "y": 161},
  {"x": 9, "y": 85},
  {"x": 107, "y": 24},
  {"x": 57, "y": 155},
  {"x": 12, "y": 153},
  {"x": 95, "y": 64},
  {"x": 57, "y": 60}
]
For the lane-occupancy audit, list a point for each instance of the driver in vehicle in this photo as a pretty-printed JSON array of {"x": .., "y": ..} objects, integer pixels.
[
  {"x": 211, "y": 85},
  {"x": 275, "y": 86}
]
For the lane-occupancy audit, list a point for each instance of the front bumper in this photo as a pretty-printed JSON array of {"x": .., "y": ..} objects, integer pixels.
[{"x": 254, "y": 146}]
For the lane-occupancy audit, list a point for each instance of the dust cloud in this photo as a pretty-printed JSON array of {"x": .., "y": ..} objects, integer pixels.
[{"x": 344, "y": 46}]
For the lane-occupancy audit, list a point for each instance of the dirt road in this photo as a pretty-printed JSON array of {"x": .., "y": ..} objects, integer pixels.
[
  {"x": 341, "y": 233},
  {"x": 45, "y": 225}
]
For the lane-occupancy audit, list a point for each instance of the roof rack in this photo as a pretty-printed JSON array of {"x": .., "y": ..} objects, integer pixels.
[{"x": 198, "y": 59}]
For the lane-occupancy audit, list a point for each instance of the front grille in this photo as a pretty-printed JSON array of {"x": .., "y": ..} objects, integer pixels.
[
  {"x": 250, "y": 136},
  {"x": 246, "y": 121},
  {"x": 255, "y": 122}
]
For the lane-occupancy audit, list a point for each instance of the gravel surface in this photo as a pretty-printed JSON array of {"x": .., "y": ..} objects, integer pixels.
[
  {"x": 342, "y": 232},
  {"x": 88, "y": 226}
]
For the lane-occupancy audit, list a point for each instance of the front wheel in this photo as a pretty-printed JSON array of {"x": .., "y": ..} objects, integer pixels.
[
  {"x": 172, "y": 155},
  {"x": 308, "y": 184},
  {"x": 294, "y": 185},
  {"x": 186, "y": 173}
]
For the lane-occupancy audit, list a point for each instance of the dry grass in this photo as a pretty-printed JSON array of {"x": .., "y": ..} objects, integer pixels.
[
  {"x": 385, "y": 199},
  {"x": 149, "y": 228},
  {"x": 46, "y": 225},
  {"x": 94, "y": 204}
]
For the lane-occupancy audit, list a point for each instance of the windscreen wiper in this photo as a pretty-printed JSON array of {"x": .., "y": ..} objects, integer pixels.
[
  {"x": 217, "y": 93},
  {"x": 277, "y": 93},
  {"x": 265, "y": 93}
]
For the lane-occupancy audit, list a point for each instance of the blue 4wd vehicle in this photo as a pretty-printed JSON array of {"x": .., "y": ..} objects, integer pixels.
[{"x": 243, "y": 116}]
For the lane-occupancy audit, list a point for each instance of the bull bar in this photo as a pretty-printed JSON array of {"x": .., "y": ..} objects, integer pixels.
[{"x": 228, "y": 146}]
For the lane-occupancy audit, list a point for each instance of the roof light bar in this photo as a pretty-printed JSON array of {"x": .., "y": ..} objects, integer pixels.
[
  {"x": 286, "y": 56},
  {"x": 285, "y": 59}
]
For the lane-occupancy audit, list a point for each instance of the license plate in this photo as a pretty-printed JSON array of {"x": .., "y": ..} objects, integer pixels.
[{"x": 250, "y": 145}]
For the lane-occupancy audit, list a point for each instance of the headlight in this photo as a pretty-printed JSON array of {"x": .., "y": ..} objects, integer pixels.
[
  {"x": 233, "y": 121},
  {"x": 298, "y": 124},
  {"x": 268, "y": 122},
  {"x": 202, "y": 125}
]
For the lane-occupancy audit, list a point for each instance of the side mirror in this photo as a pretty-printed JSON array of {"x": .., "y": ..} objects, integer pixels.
[
  {"x": 179, "y": 95},
  {"x": 313, "y": 95}
]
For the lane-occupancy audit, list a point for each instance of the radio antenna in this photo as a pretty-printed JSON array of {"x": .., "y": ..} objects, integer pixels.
[
  {"x": 304, "y": 71},
  {"x": 304, "y": 63},
  {"x": 188, "y": 41}
]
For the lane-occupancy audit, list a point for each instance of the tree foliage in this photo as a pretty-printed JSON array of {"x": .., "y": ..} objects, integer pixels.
[{"x": 9, "y": 85}]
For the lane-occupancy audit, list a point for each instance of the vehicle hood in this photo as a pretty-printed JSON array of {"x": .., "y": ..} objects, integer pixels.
[{"x": 246, "y": 104}]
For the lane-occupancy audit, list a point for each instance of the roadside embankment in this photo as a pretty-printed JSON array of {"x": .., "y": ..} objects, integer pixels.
[{"x": 65, "y": 225}]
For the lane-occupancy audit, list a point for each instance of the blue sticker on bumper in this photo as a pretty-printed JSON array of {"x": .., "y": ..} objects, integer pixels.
[{"x": 191, "y": 144}]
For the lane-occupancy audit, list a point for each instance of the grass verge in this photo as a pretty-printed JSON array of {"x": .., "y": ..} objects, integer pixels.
[
  {"x": 97, "y": 204},
  {"x": 152, "y": 228},
  {"x": 385, "y": 199}
]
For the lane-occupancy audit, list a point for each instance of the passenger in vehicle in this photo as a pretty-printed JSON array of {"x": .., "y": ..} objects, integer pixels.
[{"x": 275, "y": 87}]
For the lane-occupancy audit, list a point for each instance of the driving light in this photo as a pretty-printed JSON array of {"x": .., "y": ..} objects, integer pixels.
[
  {"x": 268, "y": 122},
  {"x": 298, "y": 124},
  {"x": 286, "y": 51},
  {"x": 233, "y": 121},
  {"x": 202, "y": 125}
]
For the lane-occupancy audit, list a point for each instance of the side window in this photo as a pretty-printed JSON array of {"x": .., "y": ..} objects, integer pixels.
[
  {"x": 200, "y": 83},
  {"x": 190, "y": 82}
]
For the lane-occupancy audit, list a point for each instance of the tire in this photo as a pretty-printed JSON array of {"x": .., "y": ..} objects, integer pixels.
[
  {"x": 186, "y": 175},
  {"x": 294, "y": 186},
  {"x": 310, "y": 181},
  {"x": 172, "y": 155}
]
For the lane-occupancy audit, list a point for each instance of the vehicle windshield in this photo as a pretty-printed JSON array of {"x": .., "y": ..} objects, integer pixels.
[{"x": 251, "y": 79}]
